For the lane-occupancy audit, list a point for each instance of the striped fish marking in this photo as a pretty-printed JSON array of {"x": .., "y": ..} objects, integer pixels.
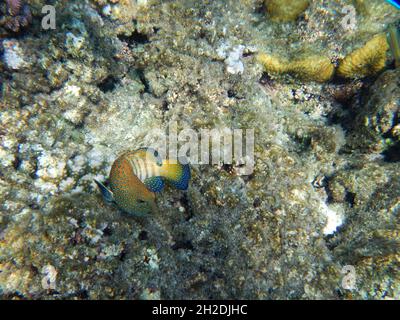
[{"x": 145, "y": 163}]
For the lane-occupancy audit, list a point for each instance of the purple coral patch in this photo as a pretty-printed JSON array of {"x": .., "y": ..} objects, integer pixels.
[
  {"x": 14, "y": 7},
  {"x": 19, "y": 15}
]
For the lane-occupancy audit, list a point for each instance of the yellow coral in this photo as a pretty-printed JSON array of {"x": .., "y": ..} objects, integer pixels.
[
  {"x": 312, "y": 68},
  {"x": 365, "y": 61},
  {"x": 285, "y": 10},
  {"x": 272, "y": 64}
]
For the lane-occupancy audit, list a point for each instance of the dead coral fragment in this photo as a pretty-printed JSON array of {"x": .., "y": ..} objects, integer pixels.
[
  {"x": 285, "y": 10},
  {"x": 312, "y": 68},
  {"x": 365, "y": 61}
]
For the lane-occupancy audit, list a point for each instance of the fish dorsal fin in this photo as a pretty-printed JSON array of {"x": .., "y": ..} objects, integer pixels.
[{"x": 106, "y": 193}]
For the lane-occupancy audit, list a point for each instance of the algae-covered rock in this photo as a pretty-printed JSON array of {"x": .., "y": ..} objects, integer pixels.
[
  {"x": 375, "y": 126},
  {"x": 370, "y": 242},
  {"x": 78, "y": 240}
]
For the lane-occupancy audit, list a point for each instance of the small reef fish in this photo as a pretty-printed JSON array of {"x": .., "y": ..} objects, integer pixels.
[
  {"x": 136, "y": 175},
  {"x": 393, "y": 38},
  {"x": 395, "y": 3}
]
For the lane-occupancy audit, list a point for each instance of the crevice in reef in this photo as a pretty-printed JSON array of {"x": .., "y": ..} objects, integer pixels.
[
  {"x": 135, "y": 38},
  {"x": 144, "y": 81},
  {"x": 183, "y": 244},
  {"x": 108, "y": 84},
  {"x": 392, "y": 154}
]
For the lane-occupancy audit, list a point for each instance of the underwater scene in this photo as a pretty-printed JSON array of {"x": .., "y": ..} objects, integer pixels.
[{"x": 186, "y": 149}]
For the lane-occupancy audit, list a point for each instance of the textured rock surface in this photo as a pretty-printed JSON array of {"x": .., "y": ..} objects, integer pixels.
[
  {"x": 114, "y": 70},
  {"x": 377, "y": 127}
]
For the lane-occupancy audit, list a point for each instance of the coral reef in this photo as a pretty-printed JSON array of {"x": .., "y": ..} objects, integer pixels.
[
  {"x": 370, "y": 239},
  {"x": 13, "y": 55},
  {"x": 324, "y": 192}
]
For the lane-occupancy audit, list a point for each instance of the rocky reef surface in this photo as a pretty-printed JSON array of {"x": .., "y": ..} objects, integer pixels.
[{"x": 325, "y": 191}]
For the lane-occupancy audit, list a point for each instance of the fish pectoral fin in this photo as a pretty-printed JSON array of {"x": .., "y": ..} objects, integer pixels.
[{"x": 105, "y": 192}]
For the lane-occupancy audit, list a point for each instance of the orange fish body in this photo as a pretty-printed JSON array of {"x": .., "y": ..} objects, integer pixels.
[
  {"x": 135, "y": 177},
  {"x": 129, "y": 192}
]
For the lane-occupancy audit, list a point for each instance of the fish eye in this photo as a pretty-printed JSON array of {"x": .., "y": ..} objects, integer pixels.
[{"x": 140, "y": 201}]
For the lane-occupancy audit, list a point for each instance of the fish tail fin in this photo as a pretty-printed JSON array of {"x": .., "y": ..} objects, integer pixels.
[
  {"x": 176, "y": 173},
  {"x": 106, "y": 193}
]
